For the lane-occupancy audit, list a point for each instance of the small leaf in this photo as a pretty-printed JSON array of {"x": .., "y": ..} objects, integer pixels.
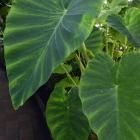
[
  {"x": 65, "y": 117},
  {"x": 110, "y": 94},
  {"x": 67, "y": 82},
  {"x": 95, "y": 40},
  {"x": 60, "y": 69}
]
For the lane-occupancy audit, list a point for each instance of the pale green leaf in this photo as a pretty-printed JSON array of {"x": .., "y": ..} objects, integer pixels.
[{"x": 61, "y": 70}]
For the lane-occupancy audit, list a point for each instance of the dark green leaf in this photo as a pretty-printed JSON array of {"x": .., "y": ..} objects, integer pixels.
[
  {"x": 65, "y": 117},
  {"x": 110, "y": 96},
  {"x": 4, "y": 11},
  {"x": 40, "y": 34}
]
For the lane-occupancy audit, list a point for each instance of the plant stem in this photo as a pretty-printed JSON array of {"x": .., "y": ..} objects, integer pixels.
[
  {"x": 68, "y": 75},
  {"x": 82, "y": 68},
  {"x": 85, "y": 52},
  {"x": 113, "y": 47},
  {"x": 106, "y": 42}
]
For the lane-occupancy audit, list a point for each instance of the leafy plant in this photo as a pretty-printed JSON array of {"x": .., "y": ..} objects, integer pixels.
[
  {"x": 95, "y": 44},
  {"x": 41, "y": 37},
  {"x": 65, "y": 116}
]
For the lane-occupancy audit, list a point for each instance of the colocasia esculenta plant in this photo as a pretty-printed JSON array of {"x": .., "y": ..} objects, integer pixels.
[{"x": 95, "y": 43}]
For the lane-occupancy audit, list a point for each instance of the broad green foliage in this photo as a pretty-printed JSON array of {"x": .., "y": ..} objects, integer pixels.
[
  {"x": 117, "y": 5},
  {"x": 94, "y": 46},
  {"x": 129, "y": 25},
  {"x": 40, "y": 34},
  {"x": 132, "y": 22},
  {"x": 95, "y": 40},
  {"x": 110, "y": 96},
  {"x": 113, "y": 7},
  {"x": 65, "y": 117}
]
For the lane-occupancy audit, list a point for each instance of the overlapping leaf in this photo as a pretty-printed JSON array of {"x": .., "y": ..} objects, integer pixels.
[
  {"x": 95, "y": 40},
  {"x": 117, "y": 5},
  {"x": 65, "y": 117},
  {"x": 110, "y": 96},
  {"x": 129, "y": 26},
  {"x": 39, "y": 35},
  {"x": 113, "y": 7}
]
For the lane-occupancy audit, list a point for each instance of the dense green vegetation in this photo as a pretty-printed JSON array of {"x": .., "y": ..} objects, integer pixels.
[{"x": 95, "y": 45}]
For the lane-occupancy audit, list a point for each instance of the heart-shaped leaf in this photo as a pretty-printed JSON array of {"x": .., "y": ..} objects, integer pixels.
[
  {"x": 39, "y": 35},
  {"x": 65, "y": 117},
  {"x": 110, "y": 94}
]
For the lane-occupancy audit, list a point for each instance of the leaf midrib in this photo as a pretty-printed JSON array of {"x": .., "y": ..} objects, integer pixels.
[
  {"x": 45, "y": 48},
  {"x": 117, "y": 99},
  {"x": 53, "y": 33}
]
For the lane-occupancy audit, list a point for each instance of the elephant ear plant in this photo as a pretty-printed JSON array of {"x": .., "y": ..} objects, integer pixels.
[{"x": 95, "y": 44}]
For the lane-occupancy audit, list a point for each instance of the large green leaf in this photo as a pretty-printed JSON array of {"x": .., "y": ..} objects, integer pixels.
[
  {"x": 129, "y": 25},
  {"x": 65, "y": 117},
  {"x": 40, "y": 34},
  {"x": 110, "y": 96}
]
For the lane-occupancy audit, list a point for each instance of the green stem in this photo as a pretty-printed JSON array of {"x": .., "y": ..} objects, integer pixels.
[
  {"x": 85, "y": 52},
  {"x": 126, "y": 41},
  {"x": 82, "y": 68},
  {"x": 106, "y": 47},
  {"x": 113, "y": 47},
  {"x": 68, "y": 75}
]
